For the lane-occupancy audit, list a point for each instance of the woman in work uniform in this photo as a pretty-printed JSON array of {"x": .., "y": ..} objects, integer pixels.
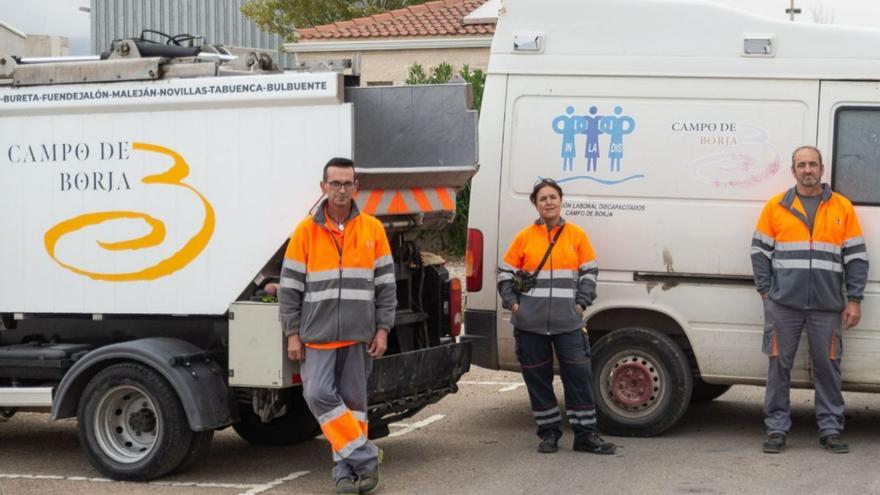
[{"x": 547, "y": 317}]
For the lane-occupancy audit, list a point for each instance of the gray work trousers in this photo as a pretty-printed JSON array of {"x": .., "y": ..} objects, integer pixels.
[
  {"x": 782, "y": 332},
  {"x": 335, "y": 389}
]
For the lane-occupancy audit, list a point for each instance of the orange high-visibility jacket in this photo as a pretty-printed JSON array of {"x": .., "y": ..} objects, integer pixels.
[
  {"x": 333, "y": 293},
  {"x": 807, "y": 270},
  {"x": 567, "y": 278}
]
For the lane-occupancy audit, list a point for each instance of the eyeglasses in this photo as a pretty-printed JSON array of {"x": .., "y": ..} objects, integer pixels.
[{"x": 347, "y": 185}]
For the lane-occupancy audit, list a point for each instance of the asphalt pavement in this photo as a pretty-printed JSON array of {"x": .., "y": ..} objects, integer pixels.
[{"x": 481, "y": 441}]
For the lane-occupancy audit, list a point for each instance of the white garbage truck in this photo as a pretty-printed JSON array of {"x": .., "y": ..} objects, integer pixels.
[
  {"x": 668, "y": 125},
  {"x": 148, "y": 198}
]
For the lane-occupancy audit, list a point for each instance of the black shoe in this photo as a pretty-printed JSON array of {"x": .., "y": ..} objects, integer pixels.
[
  {"x": 834, "y": 444},
  {"x": 346, "y": 486},
  {"x": 594, "y": 445},
  {"x": 774, "y": 444},
  {"x": 369, "y": 480},
  {"x": 549, "y": 444}
]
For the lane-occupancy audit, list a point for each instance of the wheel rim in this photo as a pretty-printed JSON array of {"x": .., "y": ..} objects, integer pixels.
[
  {"x": 633, "y": 384},
  {"x": 127, "y": 424}
]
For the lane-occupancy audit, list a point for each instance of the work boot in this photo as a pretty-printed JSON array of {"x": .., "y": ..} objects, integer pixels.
[
  {"x": 369, "y": 480},
  {"x": 834, "y": 444},
  {"x": 549, "y": 443},
  {"x": 594, "y": 444},
  {"x": 774, "y": 443},
  {"x": 346, "y": 486}
]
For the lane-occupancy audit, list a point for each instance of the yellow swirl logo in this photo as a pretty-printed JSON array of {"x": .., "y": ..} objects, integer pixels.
[{"x": 173, "y": 177}]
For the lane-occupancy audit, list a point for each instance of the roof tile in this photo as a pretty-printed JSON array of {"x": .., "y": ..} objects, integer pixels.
[{"x": 435, "y": 18}]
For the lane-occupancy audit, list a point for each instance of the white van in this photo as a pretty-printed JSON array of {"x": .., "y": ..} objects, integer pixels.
[{"x": 669, "y": 124}]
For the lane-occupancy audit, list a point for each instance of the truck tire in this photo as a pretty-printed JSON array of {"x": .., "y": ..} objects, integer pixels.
[
  {"x": 706, "y": 392},
  {"x": 642, "y": 382},
  {"x": 132, "y": 425},
  {"x": 298, "y": 425},
  {"x": 198, "y": 448}
]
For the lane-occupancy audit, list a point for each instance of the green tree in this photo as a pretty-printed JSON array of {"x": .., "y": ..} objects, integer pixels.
[
  {"x": 284, "y": 16},
  {"x": 454, "y": 238}
]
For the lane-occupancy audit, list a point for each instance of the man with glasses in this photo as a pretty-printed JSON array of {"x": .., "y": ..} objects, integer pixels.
[
  {"x": 337, "y": 300},
  {"x": 806, "y": 248}
]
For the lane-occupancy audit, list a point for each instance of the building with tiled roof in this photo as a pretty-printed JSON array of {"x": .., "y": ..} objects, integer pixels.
[{"x": 384, "y": 46}]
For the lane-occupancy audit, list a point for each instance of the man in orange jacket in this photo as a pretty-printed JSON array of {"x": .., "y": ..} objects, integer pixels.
[
  {"x": 806, "y": 246},
  {"x": 337, "y": 300}
]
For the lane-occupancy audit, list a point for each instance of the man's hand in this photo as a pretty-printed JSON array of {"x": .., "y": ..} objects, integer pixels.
[
  {"x": 295, "y": 349},
  {"x": 852, "y": 314},
  {"x": 580, "y": 310},
  {"x": 379, "y": 344},
  {"x": 514, "y": 308},
  {"x": 764, "y": 295}
]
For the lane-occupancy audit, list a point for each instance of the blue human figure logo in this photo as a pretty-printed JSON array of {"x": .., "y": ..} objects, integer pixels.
[
  {"x": 592, "y": 130},
  {"x": 616, "y": 126},
  {"x": 569, "y": 126}
]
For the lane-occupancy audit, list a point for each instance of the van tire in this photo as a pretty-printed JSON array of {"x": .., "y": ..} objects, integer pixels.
[
  {"x": 706, "y": 392},
  {"x": 119, "y": 411},
  {"x": 298, "y": 425},
  {"x": 641, "y": 380}
]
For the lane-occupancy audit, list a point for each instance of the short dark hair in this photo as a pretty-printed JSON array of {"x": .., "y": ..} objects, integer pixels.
[
  {"x": 807, "y": 147},
  {"x": 338, "y": 162},
  {"x": 541, "y": 185}
]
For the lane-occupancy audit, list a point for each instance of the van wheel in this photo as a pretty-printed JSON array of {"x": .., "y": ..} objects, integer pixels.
[
  {"x": 706, "y": 392},
  {"x": 297, "y": 425},
  {"x": 642, "y": 381},
  {"x": 132, "y": 425}
]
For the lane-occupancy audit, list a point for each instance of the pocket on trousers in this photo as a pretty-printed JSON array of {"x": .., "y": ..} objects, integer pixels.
[
  {"x": 835, "y": 348},
  {"x": 769, "y": 344}
]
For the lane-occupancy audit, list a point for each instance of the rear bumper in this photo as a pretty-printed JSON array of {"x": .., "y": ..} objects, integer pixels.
[
  {"x": 480, "y": 331},
  {"x": 400, "y": 385}
]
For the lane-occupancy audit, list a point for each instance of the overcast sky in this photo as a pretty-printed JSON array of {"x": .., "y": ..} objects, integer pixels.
[{"x": 62, "y": 17}]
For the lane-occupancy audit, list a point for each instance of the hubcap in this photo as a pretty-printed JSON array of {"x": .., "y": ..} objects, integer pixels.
[
  {"x": 633, "y": 384},
  {"x": 127, "y": 424}
]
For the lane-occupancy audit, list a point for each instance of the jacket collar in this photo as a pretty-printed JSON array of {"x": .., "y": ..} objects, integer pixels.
[
  {"x": 540, "y": 221},
  {"x": 321, "y": 219},
  {"x": 790, "y": 196}
]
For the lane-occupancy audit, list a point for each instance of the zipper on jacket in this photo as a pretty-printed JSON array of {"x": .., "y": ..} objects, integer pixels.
[{"x": 339, "y": 294}]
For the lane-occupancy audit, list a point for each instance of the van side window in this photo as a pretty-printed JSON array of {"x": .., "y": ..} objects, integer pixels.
[{"x": 857, "y": 154}]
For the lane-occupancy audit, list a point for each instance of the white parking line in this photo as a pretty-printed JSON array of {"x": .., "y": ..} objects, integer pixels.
[
  {"x": 508, "y": 386},
  {"x": 417, "y": 425},
  {"x": 252, "y": 488},
  {"x": 272, "y": 484}
]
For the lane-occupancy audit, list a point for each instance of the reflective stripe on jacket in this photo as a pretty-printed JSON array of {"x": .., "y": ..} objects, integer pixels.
[
  {"x": 330, "y": 295},
  {"x": 567, "y": 278},
  {"x": 804, "y": 270}
]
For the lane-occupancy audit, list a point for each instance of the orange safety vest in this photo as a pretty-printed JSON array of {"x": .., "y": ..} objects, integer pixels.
[
  {"x": 567, "y": 278},
  {"x": 332, "y": 292},
  {"x": 801, "y": 269}
]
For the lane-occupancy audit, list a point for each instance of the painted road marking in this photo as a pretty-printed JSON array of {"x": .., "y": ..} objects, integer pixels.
[
  {"x": 507, "y": 386},
  {"x": 272, "y": 484},
  {"x": 252, "y": 488},
  {"x": 417, "y": 425}
]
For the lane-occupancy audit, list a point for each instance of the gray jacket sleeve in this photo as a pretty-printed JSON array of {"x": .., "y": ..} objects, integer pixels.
[
  {"x": 386, "y": 291},
  {"x": 505, "y": 286},
  {"x": 290, "y": 295},
  {"x": 588, "y": 274},
  {"x": 855, "y": 262},
  {"x": 762, "y": 255}
]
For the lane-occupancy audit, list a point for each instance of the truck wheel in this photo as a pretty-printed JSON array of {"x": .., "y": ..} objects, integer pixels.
[
  {"x": 706, "y": 392},
  {"x": 132, "y": 425},
  {"x": 642, "y": 382},
  {"x": 298, "y": 425}
]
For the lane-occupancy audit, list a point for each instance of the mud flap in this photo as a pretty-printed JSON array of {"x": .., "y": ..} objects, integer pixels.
[{"x": 401, "y": 385}]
